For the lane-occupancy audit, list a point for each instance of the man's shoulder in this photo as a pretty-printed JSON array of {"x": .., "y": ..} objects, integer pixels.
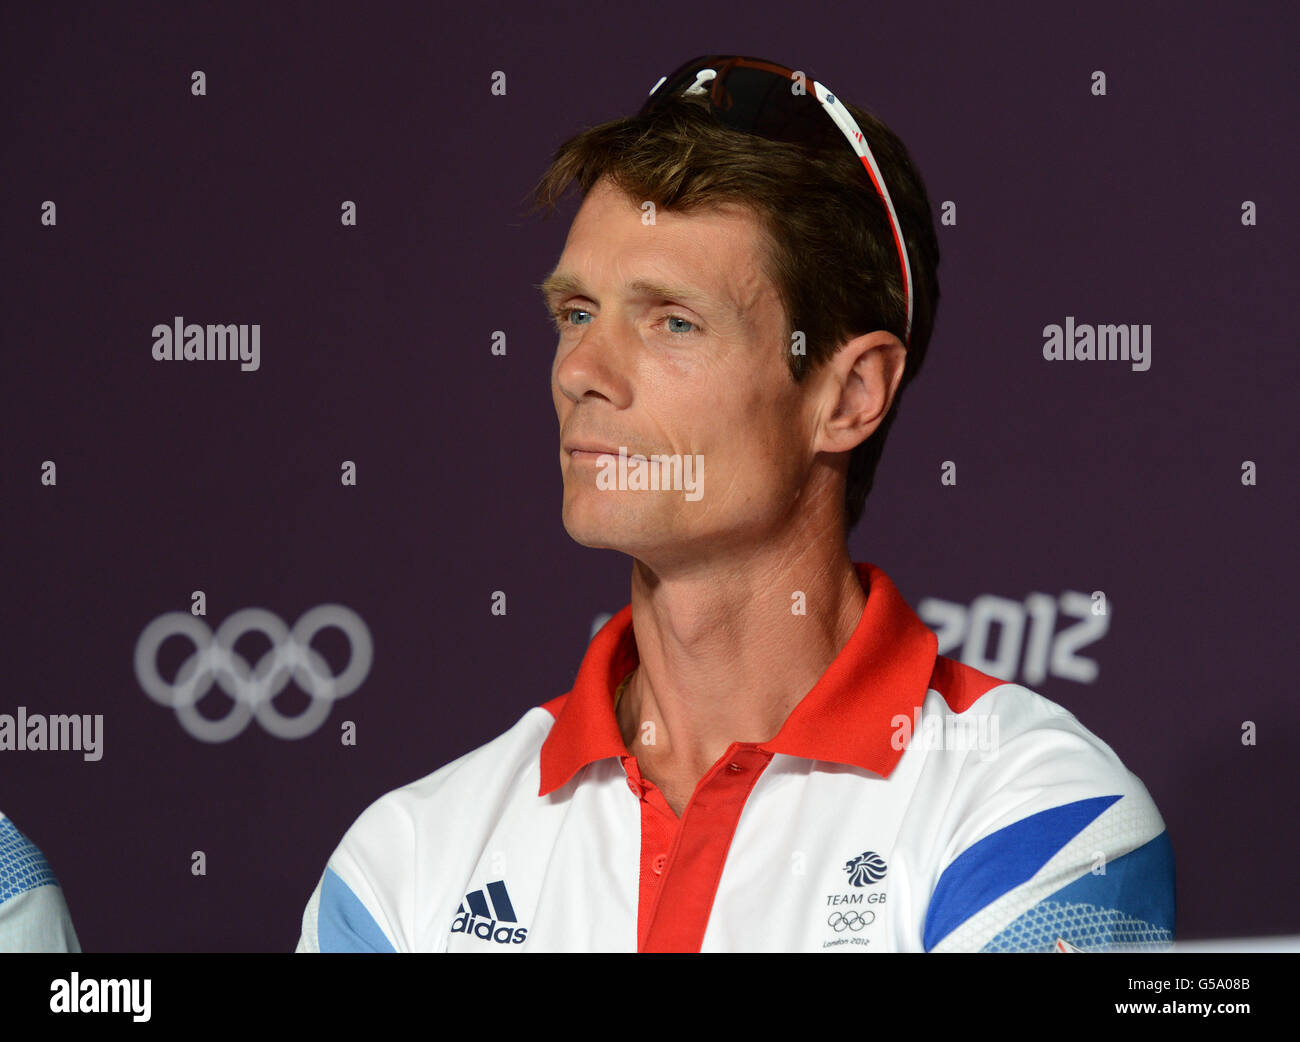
[
  {"x": 1040, "y": 818},
  {"x": 1001, "y": 741},
  {"x": 416, "y": 844},
  {"x": 505, "y": 763},
  {"x": 1011, "y": 715}
]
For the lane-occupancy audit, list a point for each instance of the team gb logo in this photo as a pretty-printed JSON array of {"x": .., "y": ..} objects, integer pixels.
[{"x": 867, "y": 867}]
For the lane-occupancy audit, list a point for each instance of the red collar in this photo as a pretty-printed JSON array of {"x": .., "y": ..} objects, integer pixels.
[{"x": 848, "y": 717}]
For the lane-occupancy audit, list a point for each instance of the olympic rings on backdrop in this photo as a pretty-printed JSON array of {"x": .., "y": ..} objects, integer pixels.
[{"x": 253, "y": 689}]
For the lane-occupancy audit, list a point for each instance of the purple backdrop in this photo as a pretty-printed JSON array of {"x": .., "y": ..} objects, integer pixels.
[{"x": 375, "y": 347}]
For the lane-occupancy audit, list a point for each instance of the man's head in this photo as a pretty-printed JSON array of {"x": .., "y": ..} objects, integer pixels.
[{"x": 778, "y": 353}]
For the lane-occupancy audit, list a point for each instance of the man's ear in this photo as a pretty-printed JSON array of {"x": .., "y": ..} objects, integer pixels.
[{"x": 859, "y": 381}]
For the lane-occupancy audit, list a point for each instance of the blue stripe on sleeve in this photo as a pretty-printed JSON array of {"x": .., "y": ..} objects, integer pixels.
[
  {"x": 343, "y": 924},
  {"x": 1002, "y": 861},
  {"x": 1130, "y": 907}
]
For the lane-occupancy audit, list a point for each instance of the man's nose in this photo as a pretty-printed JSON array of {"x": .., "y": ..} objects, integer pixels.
[{"x": 591, "y": 364}]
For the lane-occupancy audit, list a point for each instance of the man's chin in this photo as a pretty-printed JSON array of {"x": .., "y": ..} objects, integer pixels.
[
  {"x": 597, "y": 537},
  {"x": 604, "y": 533}
]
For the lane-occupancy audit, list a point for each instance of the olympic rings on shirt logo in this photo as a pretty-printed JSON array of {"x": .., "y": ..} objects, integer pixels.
[
  {"x": 854, "y": 921},
  {"x": 253, "y": 689}
]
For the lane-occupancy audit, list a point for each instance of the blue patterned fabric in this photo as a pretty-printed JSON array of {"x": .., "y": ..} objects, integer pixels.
[
  {"x": 1129, "y": 908},
  {"x": 22, "y": 866}
]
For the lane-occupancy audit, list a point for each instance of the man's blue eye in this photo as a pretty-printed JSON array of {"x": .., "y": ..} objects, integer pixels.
[{"x": 565, "y": 317}]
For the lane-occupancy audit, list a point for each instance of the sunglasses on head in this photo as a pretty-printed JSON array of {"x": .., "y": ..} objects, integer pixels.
[{"x": 767, "y": 99}]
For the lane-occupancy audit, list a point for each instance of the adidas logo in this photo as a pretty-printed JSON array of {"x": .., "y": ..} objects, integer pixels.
[{"x": 489, "y": 922}]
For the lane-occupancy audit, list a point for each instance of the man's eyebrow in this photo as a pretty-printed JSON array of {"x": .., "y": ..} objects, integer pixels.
[{"x": 559, "y": 284}]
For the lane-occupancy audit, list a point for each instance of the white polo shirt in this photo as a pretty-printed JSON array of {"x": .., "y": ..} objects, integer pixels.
[{"x": 908, "y": 803}]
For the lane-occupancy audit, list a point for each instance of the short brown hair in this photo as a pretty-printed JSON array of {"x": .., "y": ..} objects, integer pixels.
[{"x": 831, "y": 252}]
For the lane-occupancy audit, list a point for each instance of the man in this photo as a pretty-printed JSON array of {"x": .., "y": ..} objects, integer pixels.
[{"x": 762, "y": 751}]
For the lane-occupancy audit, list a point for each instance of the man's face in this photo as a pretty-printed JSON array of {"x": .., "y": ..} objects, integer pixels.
[{"x": 672, "y": 341}]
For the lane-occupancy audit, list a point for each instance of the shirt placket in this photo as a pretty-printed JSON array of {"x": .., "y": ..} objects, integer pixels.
[{"x": 682, "y": 859}]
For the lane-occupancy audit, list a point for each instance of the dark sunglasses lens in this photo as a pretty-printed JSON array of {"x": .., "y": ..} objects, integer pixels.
[
  {"x": 756, "y": 100},
  {"x": 677, "y": 81},
  {"x": 764, "y": 103}
]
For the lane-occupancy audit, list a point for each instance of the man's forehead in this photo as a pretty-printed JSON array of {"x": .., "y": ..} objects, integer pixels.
[{"x": 707, "y": 257}]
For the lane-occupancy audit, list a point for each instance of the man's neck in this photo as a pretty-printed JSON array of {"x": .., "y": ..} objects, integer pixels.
[{"x": 725, "y": 656}]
